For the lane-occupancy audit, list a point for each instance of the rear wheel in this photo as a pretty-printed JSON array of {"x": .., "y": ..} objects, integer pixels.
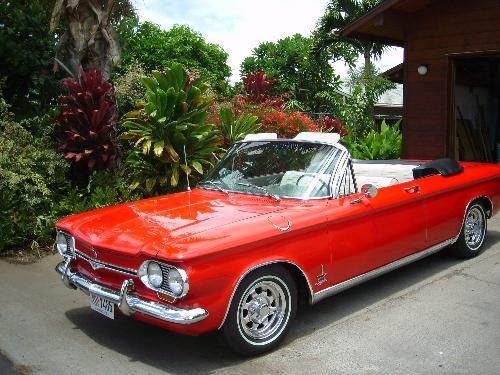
[
  {"x": 261, "y": 311},
  {"x": 471, "y": 238}
]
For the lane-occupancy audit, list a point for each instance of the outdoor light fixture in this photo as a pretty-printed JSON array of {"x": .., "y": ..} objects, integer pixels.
[{"x": 423, "y": 69}]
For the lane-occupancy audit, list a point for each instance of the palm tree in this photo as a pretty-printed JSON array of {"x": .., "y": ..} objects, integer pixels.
[
  {"x": 338, "y": 14},
  {"x": 89, "y": 40}
]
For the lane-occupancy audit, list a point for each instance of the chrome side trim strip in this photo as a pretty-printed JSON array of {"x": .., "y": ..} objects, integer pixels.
[
  {"x": 97, "y": 264},
  {"x": 337, "y": 288},
  {"x": 253, "y": 269},
  {"x": 129, "y": 303}
]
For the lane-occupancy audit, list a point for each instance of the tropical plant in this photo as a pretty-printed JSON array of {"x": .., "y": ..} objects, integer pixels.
[
  {"x": 383, "y": 145},
  {"x": 168, "y": 132},
  {"x": 89, "y": 40},
  {"x": 356, "y": 110},
  {"x": 235, "y": 129},
  {"x": 85, "y": 125},
  {"x": 338, "y": 14}
]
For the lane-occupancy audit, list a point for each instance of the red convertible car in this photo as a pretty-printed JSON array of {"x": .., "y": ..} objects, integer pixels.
[{"x": 276, "y": 220}]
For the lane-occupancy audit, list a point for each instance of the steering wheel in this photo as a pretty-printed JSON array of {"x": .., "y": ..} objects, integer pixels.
[{"x": 323, "y": 183}]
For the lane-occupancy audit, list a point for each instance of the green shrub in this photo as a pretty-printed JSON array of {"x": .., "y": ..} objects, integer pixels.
[
  {"x": 383, "y": 145},
  {"x": 129, "y": 89},
  {"x": 168, "y": 133},
  {"x": 32, "y": 177},
  {"x": 104, "y": 189}
]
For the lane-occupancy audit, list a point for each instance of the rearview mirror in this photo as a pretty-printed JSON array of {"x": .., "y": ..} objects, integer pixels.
[{"x": 369, "y": 190}]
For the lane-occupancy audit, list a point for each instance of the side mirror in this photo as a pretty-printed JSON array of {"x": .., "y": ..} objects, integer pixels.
[{"x": 369, "y": 190}]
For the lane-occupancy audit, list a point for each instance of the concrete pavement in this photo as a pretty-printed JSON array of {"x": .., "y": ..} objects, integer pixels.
[{"x": 437, "y": 316}]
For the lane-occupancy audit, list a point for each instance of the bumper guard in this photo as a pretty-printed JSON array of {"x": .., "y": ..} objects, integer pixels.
[{"x": 128, "y": 303}]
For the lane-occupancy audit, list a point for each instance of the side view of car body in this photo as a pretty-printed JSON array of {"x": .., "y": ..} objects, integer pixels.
[{"x": 275, "y": 221}]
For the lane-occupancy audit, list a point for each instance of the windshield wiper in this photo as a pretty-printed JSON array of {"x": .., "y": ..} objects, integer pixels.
[
  {"x": 216, "y": 185},
  {"x": 267, "y": 193}
]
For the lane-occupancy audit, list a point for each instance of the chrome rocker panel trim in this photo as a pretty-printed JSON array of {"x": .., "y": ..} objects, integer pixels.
[
  {"x": 337, "y": 288},
  {"x": 128, "y": 303}
]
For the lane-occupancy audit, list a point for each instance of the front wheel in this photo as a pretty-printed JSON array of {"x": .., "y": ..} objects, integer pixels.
[
  {"x": 471, "y": 237},
  {"x": 261, "y": 311}
]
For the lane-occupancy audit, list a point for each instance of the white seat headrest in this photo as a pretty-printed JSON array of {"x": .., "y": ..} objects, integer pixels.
[{"x": 260, "y": 136}]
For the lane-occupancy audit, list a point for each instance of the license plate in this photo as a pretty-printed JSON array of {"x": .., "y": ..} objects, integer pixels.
[{"x": 102, "y": 306}]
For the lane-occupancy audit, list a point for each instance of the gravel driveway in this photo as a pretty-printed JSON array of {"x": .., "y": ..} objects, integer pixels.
[{"x": 439, "y": 316}]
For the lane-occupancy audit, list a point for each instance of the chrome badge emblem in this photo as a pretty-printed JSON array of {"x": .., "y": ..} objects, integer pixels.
[
  {"x": 93, "y": 262},
  {"x": 94, "y": 253},
  {"x": 321, "y": 277}
]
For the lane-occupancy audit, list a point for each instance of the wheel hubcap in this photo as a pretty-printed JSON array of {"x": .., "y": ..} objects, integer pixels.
[
  {"x": 262, "y": 309},
  {"x": 474, "y": 228}
]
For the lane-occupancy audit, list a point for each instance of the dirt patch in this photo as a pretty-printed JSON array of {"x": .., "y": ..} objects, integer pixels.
[{"x": 27, "y": 256}]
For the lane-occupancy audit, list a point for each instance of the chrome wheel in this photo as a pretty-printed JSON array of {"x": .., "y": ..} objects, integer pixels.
[
  {"x": 263, "y": 309},
  {"x": 474, "y": 228}
]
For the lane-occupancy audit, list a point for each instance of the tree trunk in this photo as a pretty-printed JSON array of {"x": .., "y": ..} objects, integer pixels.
[
  {"x": 89, "y": 41},
  {"x": 371, "y": 107},
  {"x": 367, "y": 55}
]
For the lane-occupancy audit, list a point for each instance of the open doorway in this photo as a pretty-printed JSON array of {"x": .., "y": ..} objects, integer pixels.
[{"x": 477, "y": 108}]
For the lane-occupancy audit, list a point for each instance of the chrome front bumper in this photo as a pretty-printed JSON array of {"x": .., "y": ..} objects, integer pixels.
[{"x": 128, "y": 303}]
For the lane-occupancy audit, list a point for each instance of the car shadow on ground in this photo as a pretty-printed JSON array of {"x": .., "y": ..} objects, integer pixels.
[{"x": 184, "y": 355}]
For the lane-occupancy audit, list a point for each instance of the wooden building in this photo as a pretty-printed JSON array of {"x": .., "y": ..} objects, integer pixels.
[{"x": 451, "y": 73}]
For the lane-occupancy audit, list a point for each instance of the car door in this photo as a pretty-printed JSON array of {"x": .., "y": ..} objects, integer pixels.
[
  {"x": 444, "y": 205},
  {"x": 369, "y": 232}
]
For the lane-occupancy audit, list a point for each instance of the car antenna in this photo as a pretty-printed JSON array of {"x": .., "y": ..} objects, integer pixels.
[{"x": 187, "y": 173}]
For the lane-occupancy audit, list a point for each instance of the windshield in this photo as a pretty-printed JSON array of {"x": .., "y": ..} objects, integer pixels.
[{"x": 279, "y": 169}]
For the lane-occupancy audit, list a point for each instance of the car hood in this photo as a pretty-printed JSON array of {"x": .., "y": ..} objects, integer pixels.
[{"x": 152, "y": 225}]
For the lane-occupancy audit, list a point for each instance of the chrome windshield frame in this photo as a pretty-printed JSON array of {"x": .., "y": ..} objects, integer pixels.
[{"x": 335, "y": 176}]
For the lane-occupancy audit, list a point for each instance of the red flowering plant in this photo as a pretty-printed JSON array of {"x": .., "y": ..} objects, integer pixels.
[
  {"x": 286, "y": 124},
  {"x": 85, "y": 124},
  {"x": 259, "y": 90},
  {"x": 332, "y": 125}
]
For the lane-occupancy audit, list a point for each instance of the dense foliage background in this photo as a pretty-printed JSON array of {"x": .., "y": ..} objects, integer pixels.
[{"x": 74, "y": 143}]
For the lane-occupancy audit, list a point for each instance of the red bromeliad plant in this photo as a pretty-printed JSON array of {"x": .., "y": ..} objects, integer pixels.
[{"x": 86, "y": 120}]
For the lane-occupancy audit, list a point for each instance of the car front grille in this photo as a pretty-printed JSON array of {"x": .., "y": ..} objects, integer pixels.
[{"x": 98, "y": 264}]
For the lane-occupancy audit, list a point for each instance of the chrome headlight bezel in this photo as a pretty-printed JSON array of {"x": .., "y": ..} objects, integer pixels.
[
  {"x": 143, "y": 275},
  {"x": 66, "y": 249}
]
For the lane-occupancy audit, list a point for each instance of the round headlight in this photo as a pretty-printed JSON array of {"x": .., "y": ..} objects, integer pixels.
[
  {"x": 175, "y": 282},
  {"x": 62, "y": 243},
  {"x": 155, "y": 276}
]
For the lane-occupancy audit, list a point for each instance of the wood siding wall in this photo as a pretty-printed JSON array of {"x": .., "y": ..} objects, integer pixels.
[{"x": 437, "y": 33}]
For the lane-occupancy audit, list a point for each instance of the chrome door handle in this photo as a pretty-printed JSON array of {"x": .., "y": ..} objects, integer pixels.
[
  {"x": 356, "y": 201},
  {"x": 412, "y": 189}
]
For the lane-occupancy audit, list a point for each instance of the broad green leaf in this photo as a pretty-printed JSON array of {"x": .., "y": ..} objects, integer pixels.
[
  {"x": 175, "y": 176},
  {"x": 150, "y": 184},
  {"x": 158, "y": 148},
  {"x": 197, "y": 166},
  {"x": 150, "y": 83}
]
